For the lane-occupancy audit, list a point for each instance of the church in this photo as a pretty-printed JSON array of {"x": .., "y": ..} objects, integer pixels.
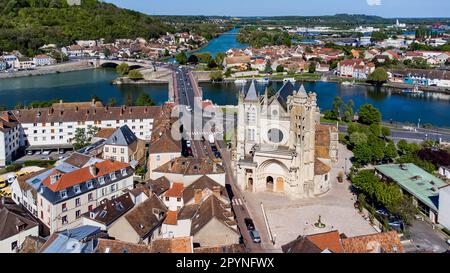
[{"x": 281, "y": 145}]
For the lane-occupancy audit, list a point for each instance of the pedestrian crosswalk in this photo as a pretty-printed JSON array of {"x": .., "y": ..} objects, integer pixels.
[{"x": 237, "y": 202}]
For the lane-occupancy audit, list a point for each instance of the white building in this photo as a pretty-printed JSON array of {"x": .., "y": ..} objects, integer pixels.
[
  {"x": 64, "y": 193},
  {"x": 444, "y": 207},
  {"x": 9, "y": 138},
  {"x": 444, "y": 171},
  {"x": 276, "y": 143},
  {"x": 16, "y": 226},
  {"x": 54, "y": 127},
  {"x": 42, "y": 60}
]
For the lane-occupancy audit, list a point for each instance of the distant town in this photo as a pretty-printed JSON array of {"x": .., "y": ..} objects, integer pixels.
[{"x": 273, "y": 173}]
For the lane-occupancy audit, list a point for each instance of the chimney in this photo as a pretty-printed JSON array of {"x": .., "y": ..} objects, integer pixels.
[
  {"x": 93, "y": 102},
  {"x": 216, "y": 191},
  {"x": 61, "y": 112},
  {"x": 131, "y": 110},
  {"x": 171, "y": 165},
  {"x": 145, "y": 110},
  {"x": 106, "y": 108},
  {"x": 121, "y": 111},
  {"x": 87, "y": 112},
  {"x": 214, "y": 167},
  {"x": 93, "y": 170},
  {"x": 95, "y": 111},
  {"x": 198, "y": 196},
  {"x": 60, "y": 101},
  {"x": 76, "y": 108}
]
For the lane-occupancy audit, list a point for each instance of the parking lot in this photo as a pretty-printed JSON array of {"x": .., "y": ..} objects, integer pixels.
[{"x": 45, "y": 155}]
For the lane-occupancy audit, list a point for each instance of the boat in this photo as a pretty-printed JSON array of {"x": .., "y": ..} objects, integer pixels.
[
  {"x": 347, "y": 83},
  {"x": 263, "y": 80},
  {"x": 242, "y": 81},
  {"x": 415, "y": 90},
  {"x": 292, "y": 80}
]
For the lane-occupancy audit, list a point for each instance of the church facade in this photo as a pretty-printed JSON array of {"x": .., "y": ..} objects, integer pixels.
[{"x": 281, "y": 145}]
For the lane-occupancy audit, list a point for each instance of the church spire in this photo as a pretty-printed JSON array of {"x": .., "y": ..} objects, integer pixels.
[{"x": 252, "y": 94}]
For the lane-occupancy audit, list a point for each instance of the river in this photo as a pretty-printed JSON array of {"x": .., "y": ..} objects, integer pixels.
[{"x": 83, "y": 85}]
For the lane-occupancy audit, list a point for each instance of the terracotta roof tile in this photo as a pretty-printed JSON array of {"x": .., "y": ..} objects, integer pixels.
[
  {"x": 175, "y": 191},
  {"x": 388, "y": 242}
]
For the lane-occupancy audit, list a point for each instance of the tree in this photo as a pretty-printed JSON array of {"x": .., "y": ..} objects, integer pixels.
[
  {"x": 390, "y": 151},
  {"x": 312, "y": 67},
  {"x": 280, "y": 69},
  {"x": 378, "y": 36},
  {"x": 378, "y": 76},
  {"x": 368, "y": 114},
  {"x": 308, "y": 50},
  {"x": 268, "y": 68},
  {"x": 358, "y": 138},
  {"x": 144, "y": 100},
  {"x": 219, "y": 58},
  {"x": 402, "y": 146},
  {"x": 385, "y": 131},
  {"x": 337, "y": 104},
  {"x": 216, "y": 76},
  {"x": 348, "y": 111},
  {"x": 123, "y": 69},
  {"x": 106, "y": 52},
  {"x": 362, "y": 154},
  {"x": 193, "y": 59},
  {"x": 112, "y": 102},
  {"x": 83, "y": 137},
  {"x": 181, "y": 58},
  {"x": 135, "y": 75}
]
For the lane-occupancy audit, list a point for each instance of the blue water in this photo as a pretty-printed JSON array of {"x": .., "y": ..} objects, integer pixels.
[
  {"x": 429, "y": 107},
  {"x": 83, "y": 85},
  {"x": 223, "y": 43},
  {"x": 220, "y": 44}
]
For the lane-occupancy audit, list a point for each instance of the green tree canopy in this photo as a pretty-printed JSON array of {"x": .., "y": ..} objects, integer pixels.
[
  {"x": 135, "y": 75},
  {"x": 123, "y": 69},
  {"x": 368, "y": 114},
  {"x": 378, "y": 76},
  {"x": 181, "y": 58},
  {"x": 144, "y": 100}
]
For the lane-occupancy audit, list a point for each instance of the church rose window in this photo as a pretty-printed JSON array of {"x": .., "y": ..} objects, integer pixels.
[{"x": 275, "y": 135}]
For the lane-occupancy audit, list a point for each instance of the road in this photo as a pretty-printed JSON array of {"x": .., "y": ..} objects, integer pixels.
[
  {"x": 417, "y": 134},
  {"x": 188, "y": 95},
  {"x": 425, "y": 239}
]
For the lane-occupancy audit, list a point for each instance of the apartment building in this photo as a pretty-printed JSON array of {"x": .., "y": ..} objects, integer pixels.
[
  {"x": 54, "y": 127},
  {"x": 124, "y": 146},
  {"x": 9, "y": 137},
  {"x": 64, "y": 193}
]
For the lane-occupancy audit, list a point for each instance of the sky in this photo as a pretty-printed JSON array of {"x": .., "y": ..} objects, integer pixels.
[{"x": 384, "y": 8}]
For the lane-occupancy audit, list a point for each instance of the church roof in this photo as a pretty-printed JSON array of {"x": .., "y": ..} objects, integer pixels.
[{"x": 251, "y": 94}]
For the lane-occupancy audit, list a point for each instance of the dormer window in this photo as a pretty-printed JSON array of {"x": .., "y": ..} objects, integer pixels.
[
  {"x": 124, "y": 171},
  {"x": 77, "y": 188},
  {"x": 90, "y": 185},
  {"x": 112, "y": 176},
  {"x": 63, "y": 194},
  {"x": 101, "y": 180}
]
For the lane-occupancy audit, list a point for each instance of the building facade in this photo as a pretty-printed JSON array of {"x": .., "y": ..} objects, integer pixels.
[
  {"x": 54, "y": 127},
  {"x": 276, "y": 143},
  {"x": 9, "y": 138}
]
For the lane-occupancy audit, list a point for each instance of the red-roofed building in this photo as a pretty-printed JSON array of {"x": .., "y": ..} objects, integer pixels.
[
  {"x": 64, "y": 194},
  {"x": 355, "y": 68},
  {"x": 173, "y": 198}
]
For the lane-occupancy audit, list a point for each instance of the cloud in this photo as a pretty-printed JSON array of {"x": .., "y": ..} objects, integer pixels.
[{"x": 374, "y": 2}]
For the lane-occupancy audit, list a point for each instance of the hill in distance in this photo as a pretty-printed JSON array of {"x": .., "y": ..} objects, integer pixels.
[{"x": 26, "y": 25}]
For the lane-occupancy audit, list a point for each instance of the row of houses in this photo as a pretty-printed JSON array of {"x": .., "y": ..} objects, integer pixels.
[
  {"x": 155, "y": 48},
  {"x": 19, "y": 62}
]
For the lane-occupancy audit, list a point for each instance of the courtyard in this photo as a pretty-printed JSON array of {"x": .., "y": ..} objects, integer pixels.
[{"x": 288, "y": 218}]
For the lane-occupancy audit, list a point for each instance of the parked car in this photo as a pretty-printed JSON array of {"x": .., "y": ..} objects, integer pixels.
[
  {"x": 29, "y": 152},
  {"x": 188, "y": 108},
  {"x": 46, "y": 153},
  {"x": 37, "y": 153},
  {"x": 249, "y": 224},
  {"x": 382, "y": 212},
  {"x": 255, "y": 236},
  {"x": 61, "y": 152},
  {"x": 448, "y": 242}
]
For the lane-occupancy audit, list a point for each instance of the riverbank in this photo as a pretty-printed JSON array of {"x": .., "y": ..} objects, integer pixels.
[{"x": 52, "y": 69}]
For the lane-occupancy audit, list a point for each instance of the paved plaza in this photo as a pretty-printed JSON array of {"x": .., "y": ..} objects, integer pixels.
[{"x": 289, "y": 218}]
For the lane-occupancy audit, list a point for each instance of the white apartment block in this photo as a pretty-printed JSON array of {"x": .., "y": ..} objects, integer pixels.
[
  {"x": 54, "y": 127},
  {"x": 9, "y": 138}
]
